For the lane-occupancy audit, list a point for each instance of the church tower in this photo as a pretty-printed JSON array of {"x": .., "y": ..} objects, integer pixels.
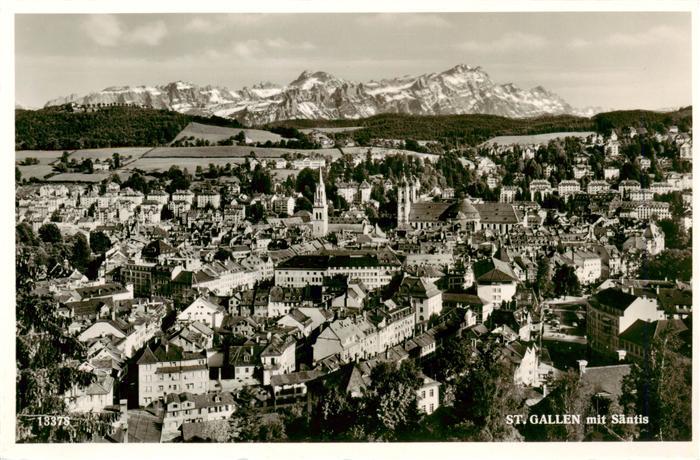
[
  {"x": 319, "y": 218},
  {"x": 405, "y": 196}
]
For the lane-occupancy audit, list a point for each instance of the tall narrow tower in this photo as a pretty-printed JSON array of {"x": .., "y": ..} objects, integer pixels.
[
  {"x": 404, "y": 200},
  {"x": 320, "y": 212}
]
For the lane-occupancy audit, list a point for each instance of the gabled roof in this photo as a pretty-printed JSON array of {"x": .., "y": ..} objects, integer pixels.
[
  {"x": 494, "y": 271},
  {"x": 418, "y": 287},
  {"x": 164, "y": 353},
  {"x": 606, "y": 380},
  {"x": 613, "y": 298},
  {"x": 642, "y": 332}
]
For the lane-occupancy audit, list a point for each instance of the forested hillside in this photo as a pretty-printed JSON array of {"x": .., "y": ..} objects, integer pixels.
[{"x": 62, "y": 128}]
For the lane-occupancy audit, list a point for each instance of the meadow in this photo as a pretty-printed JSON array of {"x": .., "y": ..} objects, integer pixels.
[
  {"x": 215, "y": 134},
  {"x": 535, "y": 138}
]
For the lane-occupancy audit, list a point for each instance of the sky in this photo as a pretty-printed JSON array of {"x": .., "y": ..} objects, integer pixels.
[{"x": 610, "y": 60}]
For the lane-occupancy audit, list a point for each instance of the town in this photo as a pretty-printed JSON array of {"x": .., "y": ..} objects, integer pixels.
[{"x": 385, "y": 292}]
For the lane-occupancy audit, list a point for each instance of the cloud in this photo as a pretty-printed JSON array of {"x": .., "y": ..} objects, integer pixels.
[
  {"x": 216, "y": 24},
  {"x": 514, "y": 41},
  {"x": 108, "y": 30},
  {"x": 150, "y": 34},
  {"x": 261, "y": 48},
  {"x": 403, "y": 20},
  {"x": 105, "y": 30},
  {"x": 659, "y": 35},
  {"x": 578, "y": 43}
]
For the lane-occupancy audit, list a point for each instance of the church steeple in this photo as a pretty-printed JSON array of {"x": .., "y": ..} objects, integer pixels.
[
  {"x": 319, "y": 219},
  {"x": 320, "y": 195}
]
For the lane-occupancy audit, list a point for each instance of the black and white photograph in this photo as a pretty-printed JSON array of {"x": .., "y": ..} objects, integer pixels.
[{"x": 351, "y": 227}]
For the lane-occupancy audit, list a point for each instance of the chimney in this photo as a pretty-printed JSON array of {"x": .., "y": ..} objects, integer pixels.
[
  {"x": 166, "y": 344},
  {"x": 582, "y": 363}
]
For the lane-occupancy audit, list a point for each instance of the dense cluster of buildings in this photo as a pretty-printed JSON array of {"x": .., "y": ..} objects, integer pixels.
[{"x": 208, "y": 304}]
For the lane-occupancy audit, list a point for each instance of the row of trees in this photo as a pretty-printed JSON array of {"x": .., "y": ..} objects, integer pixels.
[{"x": 47, "y": 355}]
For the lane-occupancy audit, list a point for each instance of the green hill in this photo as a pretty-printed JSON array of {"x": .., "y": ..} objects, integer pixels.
[{"x": 62, "y": 128}]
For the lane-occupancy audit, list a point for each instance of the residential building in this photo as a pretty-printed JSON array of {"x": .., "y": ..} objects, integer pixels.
[{"x": 169, "y": 369}]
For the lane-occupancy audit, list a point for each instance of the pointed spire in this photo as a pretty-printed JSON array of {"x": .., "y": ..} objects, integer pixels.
[{"x": 320, "y": 195}]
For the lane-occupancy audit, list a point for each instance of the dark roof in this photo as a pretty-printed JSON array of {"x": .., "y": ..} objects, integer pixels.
[
  {"x": 144, "y": 426},
  {"x": 156, "y": 248},
  {"x": 102, "y": 290},
  {"x": 246, "y": 355},
  {"x": 606, "y": 380},
  {"x": 417, "y": 287},
  {"x": 295, "y": 377},
  {"x": 165, "y": 354},
  {"x": 493, "y": 271},
  {"x": 461, "y": 298},
  {"x": 642, "y": 332},
  {"x": 613, "y": 298},
  {"x": 306, "y": 261},
  {"x": 670, "y": 298},
  {"x": 429, "y": 211},
  {"x": 497, "y": 213}
]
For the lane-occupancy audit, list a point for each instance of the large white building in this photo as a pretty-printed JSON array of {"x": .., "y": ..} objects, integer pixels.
[
  {"x": 309, "y": 270},
  {"x": 169, "y": 369},
  {"x": 204, "y": 311},
  {"x": 496, "y": 282},
  {"x": 422, "y": 295}
]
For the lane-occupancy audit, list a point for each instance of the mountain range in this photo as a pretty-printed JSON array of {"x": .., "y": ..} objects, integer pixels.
[{"x": 319, "y": 95}]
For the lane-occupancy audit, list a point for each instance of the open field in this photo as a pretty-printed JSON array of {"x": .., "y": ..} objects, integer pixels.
[
  {"x": 218, "y": 133},
  {"x": 44, "y": 156},
  {"x": 535, "y": 138},
  {"x": 331, "y": 130},
  {"x": 164, "y": 163},
  {"x": 39, "y": 171},
  {"x": 80, "y": 177},
  {"x": 234, "y": 151},
  {"x": 383, "y": 151},
  {"x": 106, "y": 153}
]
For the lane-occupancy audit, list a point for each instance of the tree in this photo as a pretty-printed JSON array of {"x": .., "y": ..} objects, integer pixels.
[
  {"x": 87, "y": 166},
  {"x": 45, "y": 371},
  {"x": 567, "y": 398},
  {"x": 25, "y": 235},
  {"x": 566, "y": 282},
  {"x": 222, "y": 254},
  {"x": 49, "y": 233},
  {"x": 391, "y": 403},
  {"x": 543, "y": 282},
  {"x": 261, "y": 181},
  {"x": 659, "y": 387},
  {"x": 255, "y": 212},
  {"x": 306, "y": 183},
  {"x": 455, "y": 358},
  {"x": 303, "y": 204},
  {"x": 80, "y": 252},
  {"x": 674, "y": 234},
  {"x": 483, "y": 395},
  {"x": 99, "y": 242},
  {"x": 670, "y": 264}
]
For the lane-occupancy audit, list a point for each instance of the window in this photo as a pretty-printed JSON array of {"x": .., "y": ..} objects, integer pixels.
[{"x": 431, "y": 392}]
